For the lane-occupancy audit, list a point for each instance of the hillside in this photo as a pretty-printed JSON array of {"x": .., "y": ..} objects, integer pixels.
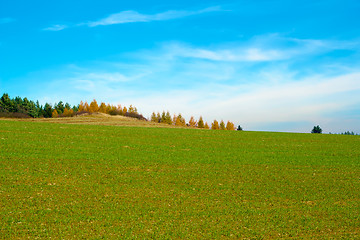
[
  {"x": 97, "y": 119},
  {"x": 88, "y": 181}
]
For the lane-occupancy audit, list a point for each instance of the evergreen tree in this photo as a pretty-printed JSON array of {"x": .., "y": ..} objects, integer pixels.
[
  {"x": 154, "y": 118},
  {"x": 94, "y": 107},
  {"x": 215, "y": 125},
  {"x": 222, "y": 125},
  {"x": 200, "y": 123},
  {"x": 316, "y": 129},
  {"x": 47, "y": 111},
  {"x": 192, "y": 122}
]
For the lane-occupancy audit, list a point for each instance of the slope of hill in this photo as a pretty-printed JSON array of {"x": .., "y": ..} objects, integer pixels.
[{"x": 87, "y": 181}]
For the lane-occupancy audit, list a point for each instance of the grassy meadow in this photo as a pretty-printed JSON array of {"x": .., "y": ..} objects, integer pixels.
[{"x": 90, "y": 181}]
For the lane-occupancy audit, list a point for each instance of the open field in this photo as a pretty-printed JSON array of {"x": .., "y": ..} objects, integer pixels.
[{"x": 89, "y": 181}]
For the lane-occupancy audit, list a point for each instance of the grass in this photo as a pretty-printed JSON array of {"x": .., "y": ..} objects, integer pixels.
[{"x": 77, "y": 181}]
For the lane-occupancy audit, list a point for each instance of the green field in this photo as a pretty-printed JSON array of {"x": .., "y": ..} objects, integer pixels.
[{"x": 74, "y": 181}]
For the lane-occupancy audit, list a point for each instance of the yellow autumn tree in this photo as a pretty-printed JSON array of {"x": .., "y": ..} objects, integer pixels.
[
  {"x": 102, "y": 108},
  {"x": 81, "y": 107},
  {"x": 200, "y": 123},
  {"x": 154, "y": 118},
  {"x": 206, "y": 126},
  {"x": 192, "y": 122},
  {"x": 68, "y": 112},
  {"x": 86, "y": 106},
  {"x": 94, "y": 107},
  {"x": 222, "y": 125},
  {"x": 55, "y": 114},
  {"x": 215, "y": 125},
  {"x": 180, "y": 121},
  {"x": 230, "y": 126}
]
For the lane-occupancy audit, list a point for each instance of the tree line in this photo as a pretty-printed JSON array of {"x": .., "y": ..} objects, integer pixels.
[
  {"x": 22, "y": 107},
  {"x": 179, "y": 120}
]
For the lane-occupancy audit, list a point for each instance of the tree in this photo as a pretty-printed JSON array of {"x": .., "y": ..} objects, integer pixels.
[
  {"x": 168, "y": 119},
  {"x": 230, "y": 126},
  {"x": 55, "y": 114},
  {"x": 316, "y": 129},
  {"x": 94, "y": 107},
  {"x": 206, "y": 126},
  {"x": 102, "y": 107},
  {"x": 132, "y": 109},
  {"x": 239, "y": 128},
  {"x": 154, "y": 118},
  {"x": 192, "y": 122},
  {"x": 222, "y": 125},
  {"x": 81, "y": 107},
  {"x": 47, "y": 111},
  {"x": 59, "y": 107},
  {"x": 200, "y": 123},
  {"x": 180, "y": 121},
  {"x": 215, "y": 125},
  {"x": 68, "y": 112}
]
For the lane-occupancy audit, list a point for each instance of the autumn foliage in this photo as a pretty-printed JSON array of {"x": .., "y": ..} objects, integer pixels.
[{"x": 19, "y": 107}]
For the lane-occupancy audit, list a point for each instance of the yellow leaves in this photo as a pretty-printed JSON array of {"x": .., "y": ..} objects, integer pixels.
[
  {"x": 68, "y": 112},
  {"x": 230, "y": 126},
  {"x": 215, "y": 125},
  {"x": 192, "y": 122},
  {"x": 55, "y": 114}
]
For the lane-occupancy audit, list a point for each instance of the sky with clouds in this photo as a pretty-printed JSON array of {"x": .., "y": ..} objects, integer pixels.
[{"x": 267, "y": 65}]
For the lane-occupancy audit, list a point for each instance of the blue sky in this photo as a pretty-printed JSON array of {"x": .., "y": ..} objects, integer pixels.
[{"x": 269, "y": 65}]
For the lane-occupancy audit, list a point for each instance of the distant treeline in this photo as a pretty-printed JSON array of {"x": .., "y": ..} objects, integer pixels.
[
  {"x": 346, "y": 133},
  {"x": 179, "y": 120},
  {"x": 23, "y": 108}
]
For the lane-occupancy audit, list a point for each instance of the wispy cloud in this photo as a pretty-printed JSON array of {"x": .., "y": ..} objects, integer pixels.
[
  {"x": 56, "y": 27},
  {"x": 6, "y": 20},
  {"x": 260, "y": 49},
  {"x": 133, "y": 16}
]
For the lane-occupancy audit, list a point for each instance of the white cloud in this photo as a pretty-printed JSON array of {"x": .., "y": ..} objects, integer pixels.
[
  {"x": 133, "y": 16},
  {"x": 260, "y": 49},
  {"x": 56, "y": 27}
]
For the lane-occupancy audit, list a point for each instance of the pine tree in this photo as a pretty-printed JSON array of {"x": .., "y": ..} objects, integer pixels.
[
  {"x": 86, "y": 107},
  {"x": 180, "y": 121},
  {"x": 154, "y": 118},
  {"x": 192, "y": 122},
  {"x": 168, "y": 118},
  {"x": 81, "y": 107},
  {"x": 94, "y": 107},
  {"x": 102, "y": 108},
  {"x": 230, "y": 126},
  {"x": 222, "y": 125},
  {"x": 200, "y": 123},
  {"x": 215, "y": 125}
]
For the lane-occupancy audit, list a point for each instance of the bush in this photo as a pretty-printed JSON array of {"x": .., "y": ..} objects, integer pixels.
[{"x": 316, "y": 129}]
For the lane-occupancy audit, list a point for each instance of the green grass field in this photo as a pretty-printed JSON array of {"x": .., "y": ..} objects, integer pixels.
[{"x": 74, "y": 181}]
